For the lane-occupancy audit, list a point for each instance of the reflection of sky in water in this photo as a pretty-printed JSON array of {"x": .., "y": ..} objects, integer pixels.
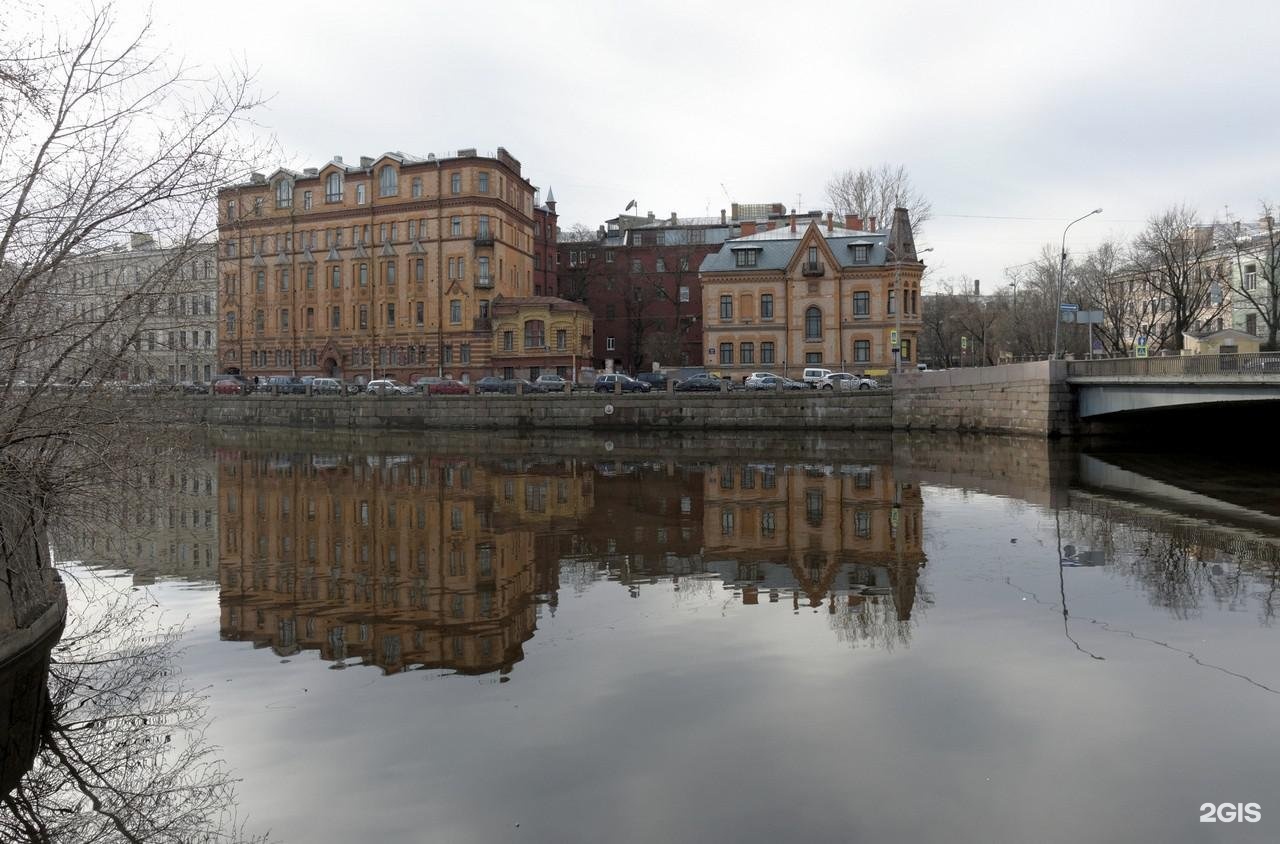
[{"x": 683, "y": 714}]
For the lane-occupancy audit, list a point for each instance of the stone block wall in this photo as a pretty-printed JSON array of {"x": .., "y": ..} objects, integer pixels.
[{"x": 1030, "y": 399}]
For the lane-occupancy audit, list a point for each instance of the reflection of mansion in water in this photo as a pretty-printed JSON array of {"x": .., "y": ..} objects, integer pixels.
[
  {"x": 402, "y": 561},
  {"x": 818, "y": 534}
]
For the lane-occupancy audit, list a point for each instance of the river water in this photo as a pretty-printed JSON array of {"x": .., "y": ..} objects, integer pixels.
[{"x": 467, "y": 639}]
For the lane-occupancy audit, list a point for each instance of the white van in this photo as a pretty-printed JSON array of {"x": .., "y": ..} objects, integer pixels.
[{"x": 813, "y": 376}]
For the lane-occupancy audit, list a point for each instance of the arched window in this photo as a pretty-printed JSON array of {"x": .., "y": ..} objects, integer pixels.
[
  {"x": 333, "y": 188},
  {"x": 813, "y": 324},
  {"x": 284, "y": 193},
  {"x": 534, "y": 334},
  {"x": 387, "y": 181}
]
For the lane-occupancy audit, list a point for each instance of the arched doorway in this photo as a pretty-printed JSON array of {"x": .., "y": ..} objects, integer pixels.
[{"x": 331, "y": 368}]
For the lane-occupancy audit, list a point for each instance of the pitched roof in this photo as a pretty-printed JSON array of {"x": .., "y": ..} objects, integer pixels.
[{"x": 777, "y": 246}]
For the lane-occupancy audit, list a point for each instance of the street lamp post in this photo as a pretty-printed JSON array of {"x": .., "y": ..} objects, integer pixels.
[
  {"x": 1062, "y": 269},
  {"x": 897, "y": 310}
]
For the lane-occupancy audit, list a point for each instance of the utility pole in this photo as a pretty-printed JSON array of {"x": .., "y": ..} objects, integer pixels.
[{"x": 1062, "y": 269}]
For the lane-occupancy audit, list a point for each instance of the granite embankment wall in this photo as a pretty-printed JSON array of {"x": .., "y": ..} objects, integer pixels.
[
  {"x": 1024, "y": 398},
  {"x": 868, "y": 410}
]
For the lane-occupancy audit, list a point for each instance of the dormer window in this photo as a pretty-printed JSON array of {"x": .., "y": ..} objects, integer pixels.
[
  {"x": 745, "y": 257},
  {"x": 333, "y": 188},
  {"x": 284, "y": 194},
  {"x": 360, "y": 194},
  {"x": 860, "y": 253},
  {"x": 387, "y": 182}
]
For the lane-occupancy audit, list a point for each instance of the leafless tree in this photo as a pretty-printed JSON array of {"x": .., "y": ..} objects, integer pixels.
[
  {"x": 103, "y": 137},
  {"x": 875, "y": 192},
  {"x": 577, "y": 233},
  {"x": 1254, "y": 250},
  {"x": 1174, "y": 258},
  {"x": 1104, "y": 285}
]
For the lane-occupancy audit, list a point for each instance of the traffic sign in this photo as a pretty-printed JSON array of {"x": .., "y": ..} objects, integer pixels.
[
  {"x": 1067, "y": 306},
  {"x": 893, "y": 338},
  {"x": 964, "y": 342}
]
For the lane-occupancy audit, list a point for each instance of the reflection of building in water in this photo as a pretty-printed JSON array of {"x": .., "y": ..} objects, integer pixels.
[
  {"x": 162, "y": 521},
  {"x": 824, "y": 534},
  {"x": 400, "y": 561}
]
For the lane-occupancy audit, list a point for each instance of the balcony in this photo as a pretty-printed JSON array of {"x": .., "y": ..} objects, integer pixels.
[
  {"x": 813, "y": 268},
  {"x": 481, "y": 324},
  {"x": 484, "y": 238},
  {"x": 484, "y": 282}
]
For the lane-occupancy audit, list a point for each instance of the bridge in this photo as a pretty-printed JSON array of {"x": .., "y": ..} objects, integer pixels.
[
  {"x": 1121, "y": 385},
  {"x": 1073, "y": 397}
]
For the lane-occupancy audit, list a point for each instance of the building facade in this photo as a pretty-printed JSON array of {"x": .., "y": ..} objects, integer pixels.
[
  {"x": 812, "y": 295},
  {"x": 148, "y": 308},
  {"x": 545, "y": 226},
  {"x": 389, "y": 269}
]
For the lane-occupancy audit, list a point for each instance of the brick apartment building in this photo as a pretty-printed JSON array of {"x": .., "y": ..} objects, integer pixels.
[
  {"x": 392, "y": 268},
  {"x": 639, "y": 277}
]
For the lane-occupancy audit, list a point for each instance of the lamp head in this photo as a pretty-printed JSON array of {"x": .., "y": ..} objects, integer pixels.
[{"x": 1096, "y": 211}]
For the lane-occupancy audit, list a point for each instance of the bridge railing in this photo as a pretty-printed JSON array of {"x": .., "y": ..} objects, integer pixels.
[{"x": 1253, "y": 363}]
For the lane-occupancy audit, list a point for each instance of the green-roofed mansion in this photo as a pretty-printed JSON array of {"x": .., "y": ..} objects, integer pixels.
[{"x": 817, "y": 294}]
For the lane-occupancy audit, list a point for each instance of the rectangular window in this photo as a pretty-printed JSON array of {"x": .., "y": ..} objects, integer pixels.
[
  {"x": 660, "y": 265},
  {"x": 335, "y": 277},
  {"x": 231, "y": 329},
  {"x": 311, "y": 319},
  {"x": 562, "y": 339},
  {"x": 455, "y": 183},
  {"x": 862, "y": 303},
  {"x": 306, "y": 200},
  {"x": 335, "y": 317},
  {"x": 311, "y": 278},
  {"x": 391, "y": 274},
  {"x": 1250, "y": 278},
  {"x": 745, "y": 258},
  {"x": 482, "y": 182},
  {"x": 726, "y": 308},
  {"x": 419, "y": 271},
  {"x": 610, "y": 344},
  {"x": 766, "y": 306},
  {"x": 455, "y": 311},
  {"x": 455, "y": 226},
  {"x": 391, "y": 314},
  {"x": 364, "y": 316},
  {"x": 637, "y": 266},
  {"x": 508, "y": 341},
  {"x": 747, "y": 352},
  {"x": 891, "y": 302},
  {"x": 360, "y": 194},
  {"x": 813, "y": 357},
  {"x": 415, "y": 189},
  {"x": 1251, "y": 323},
  {"x": 364, "y": 275},
  {"x": 464, "y": 353},
  {"x": 906, "y": 349},
  {"x": 684, "y": 293},
  {"x": 766, "y": 352},
  {"x": 726, "y": 353},
  {"x": 862, "y": 351},
  {"x": 260, "y": 281},
  {"x": 284, "y": 319},
  {"x": 860, "y": 254},
  {"x": 418, "y": 312}
]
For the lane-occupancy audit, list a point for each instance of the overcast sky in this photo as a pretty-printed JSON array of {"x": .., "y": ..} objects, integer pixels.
[{"x": 1013, "y": 118}]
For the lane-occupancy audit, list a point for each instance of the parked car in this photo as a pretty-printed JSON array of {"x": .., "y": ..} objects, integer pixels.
[
  {"x": 847, "y": 381},
  {"x": 812, "y": 375},
  {"x": 423, "y": 382},
  {"x": 754, "y": 380},
  {"x": 194, "y": 387},
  {"x": 490, "y": 384},
  {"x": 777, "y": 382},
  {"x": 655, "y": 380},
  {"x": 606, "y": 383},
  {"x": 327, "y": 387},
  {"x": 554, "y": 383},
  {"x": 283, "y": 384},
  {"x": 230, "y": 385},
  {"x": 447, "y": 387},
  {"x": 702, "y": 383},
  {"x": 388, "y": 387}
]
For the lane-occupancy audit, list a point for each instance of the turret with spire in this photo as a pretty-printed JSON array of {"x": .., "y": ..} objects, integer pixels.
[{"x": 902, "y": 243}]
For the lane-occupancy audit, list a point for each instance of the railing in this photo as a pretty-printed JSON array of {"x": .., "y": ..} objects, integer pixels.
[
  {"x": 484, "y": 238},
  {"x": 1246, "y": 364},
  {"x": 813, "y": 268},
  {"x": 484, "y": 281}
]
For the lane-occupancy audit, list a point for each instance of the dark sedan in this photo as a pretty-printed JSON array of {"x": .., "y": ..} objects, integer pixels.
[{"x": 610, "y": 381}]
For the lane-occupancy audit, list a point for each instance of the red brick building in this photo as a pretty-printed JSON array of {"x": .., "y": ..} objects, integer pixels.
[
  {"x": 544, "y": 246},
  {"x": 639, "y": 277}
]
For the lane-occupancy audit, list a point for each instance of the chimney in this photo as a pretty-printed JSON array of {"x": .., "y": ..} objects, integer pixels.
[
  {"x": 141, "y": 240},
  {"x": 366, "y": 162},
  {"x": 600, "y": 233},
  {"x": 722, "y": 219},
  {"x": 338, "y": 159},
  {"x": 853, "y": 221},
  {"x": 673, "y": 218},
  {"x": 871, "y": 224},
  {"x": 793, "y": 221},
  {"x": 651, "y": 215},
  {"x": 748, "y": 228},
  {"x": 829, "y": 223}
]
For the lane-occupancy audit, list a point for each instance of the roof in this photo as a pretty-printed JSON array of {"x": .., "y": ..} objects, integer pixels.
[
  {"x": 1222, "y": 334},
  {"x": 553, "y": 303},
  {"x": 777, "y": 247}
]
